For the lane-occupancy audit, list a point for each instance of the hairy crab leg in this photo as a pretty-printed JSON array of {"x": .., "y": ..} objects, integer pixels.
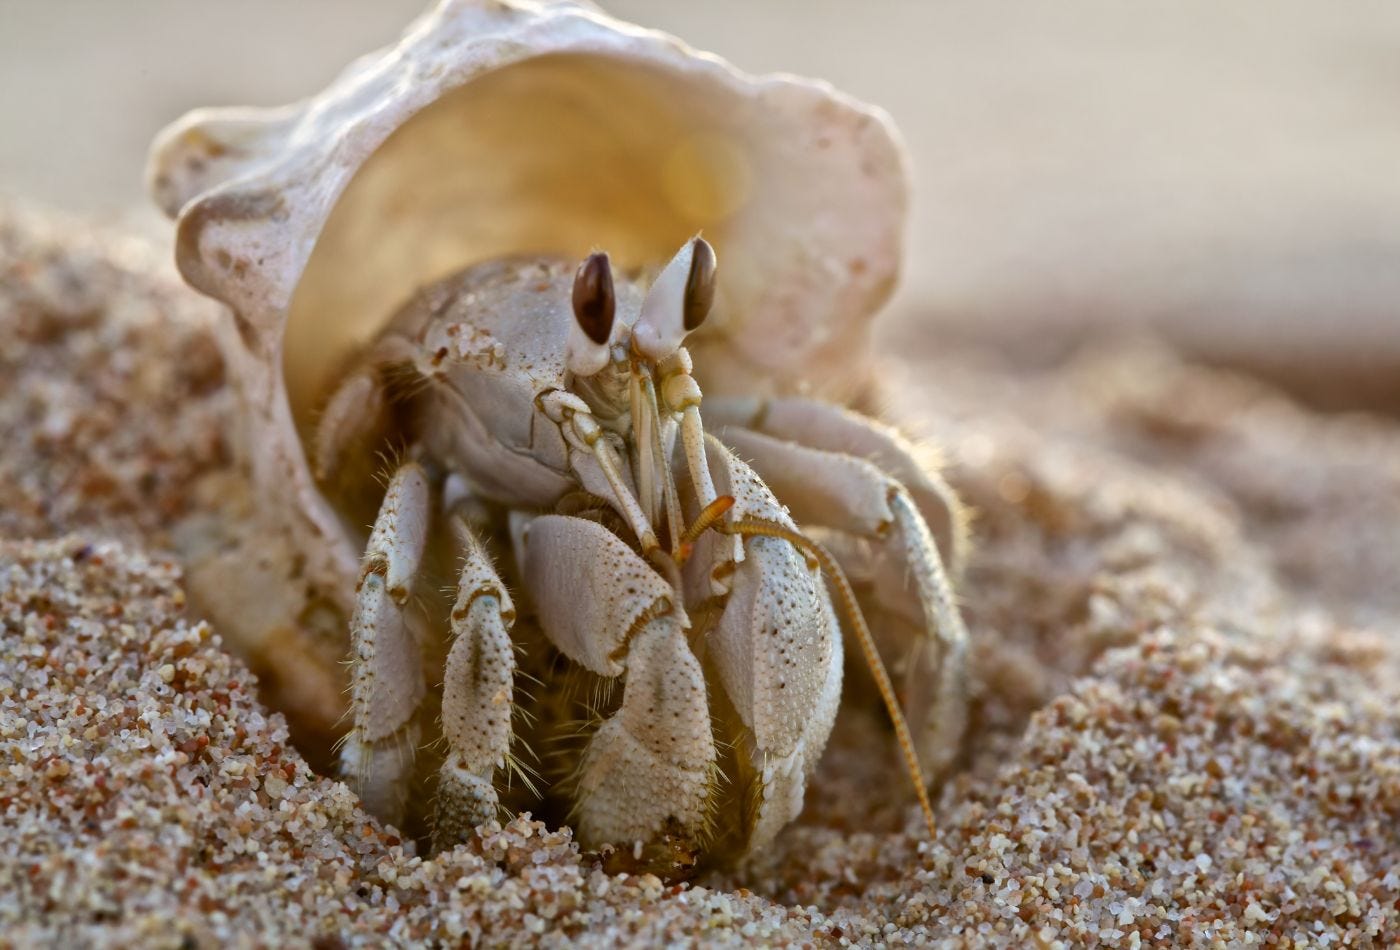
[
  {"x": 387, "y": 680},
  {"x": 647, "y": 772},
  {"x": 753, "y": 527},
  {"x": 775, "y": 647},
  {"x": 355, "y": 406},
  {"x": 821, "y": 425},
  {"x": 477, "y": 695},
  {"x": 852, "y": 495}
]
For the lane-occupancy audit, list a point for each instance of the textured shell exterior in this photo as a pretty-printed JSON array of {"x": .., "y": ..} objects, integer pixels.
[{"x": 497, "y": 128}]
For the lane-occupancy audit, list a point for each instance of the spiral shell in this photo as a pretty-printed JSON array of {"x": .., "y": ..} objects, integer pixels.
[{"x": 497, "y": 128}]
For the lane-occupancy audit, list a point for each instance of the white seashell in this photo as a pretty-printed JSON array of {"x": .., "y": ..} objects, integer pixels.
[{"x": 496, "y": 128}]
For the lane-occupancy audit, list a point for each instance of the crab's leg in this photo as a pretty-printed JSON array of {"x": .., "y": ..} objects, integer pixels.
[
  {"x": 476, "y": 695},
  {"x": 387, "y": 680},
  {"x": 776, "y": 647},
  {"x": 647, "y": 770},
  {"x": 354, "y": 409},
  {"x": 821, "y": 425},
  {"x": 840, "y": 491}
]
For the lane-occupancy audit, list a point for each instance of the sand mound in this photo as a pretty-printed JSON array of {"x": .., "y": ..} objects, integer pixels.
[{"x": 1186, "y": 727}]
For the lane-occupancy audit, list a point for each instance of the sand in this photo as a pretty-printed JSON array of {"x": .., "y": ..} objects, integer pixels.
[{"x": 1185, "y": 598}]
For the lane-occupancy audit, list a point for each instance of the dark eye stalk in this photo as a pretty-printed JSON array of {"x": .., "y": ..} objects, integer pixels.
[
  {"x": 700, "y": 285},
  {"x": 595, "y": 305}
]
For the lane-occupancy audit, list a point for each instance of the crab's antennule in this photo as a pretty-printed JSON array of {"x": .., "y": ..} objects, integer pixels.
[
  {"x": 595, "y": 307},
  {"x": 847, "y": 596},
  {"x": 679, "y": 300}
]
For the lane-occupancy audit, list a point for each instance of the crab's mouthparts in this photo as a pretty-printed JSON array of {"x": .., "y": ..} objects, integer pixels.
[
  {"x": 656, "y": 483},
  {"x": 664, "y": 403}
]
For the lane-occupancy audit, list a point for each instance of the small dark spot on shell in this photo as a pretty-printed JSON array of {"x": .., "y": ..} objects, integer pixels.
[
  {"x": 266, "y": 205},
  {"x": 246, "y": 331}
]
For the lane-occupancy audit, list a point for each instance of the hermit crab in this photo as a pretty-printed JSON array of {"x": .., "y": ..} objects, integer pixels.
[{"x": 475, "y": 289}]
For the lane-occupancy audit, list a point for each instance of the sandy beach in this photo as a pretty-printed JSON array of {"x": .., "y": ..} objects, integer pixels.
[
  {"x": 1149, "y": 317},
  {"x": 1185, "y": 724}
]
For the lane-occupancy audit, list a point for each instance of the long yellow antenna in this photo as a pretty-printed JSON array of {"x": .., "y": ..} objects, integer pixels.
[
  {"x": 753, "y": 526},
  {"x": 709, "y": 516}
]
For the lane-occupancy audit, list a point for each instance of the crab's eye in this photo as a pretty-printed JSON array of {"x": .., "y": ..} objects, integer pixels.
[
  {"x": 595, "y": 306},
  {"x": 679, "y": 300},
  {"x": 594, "y": 302},
  {"x": 700, "y": 286}
]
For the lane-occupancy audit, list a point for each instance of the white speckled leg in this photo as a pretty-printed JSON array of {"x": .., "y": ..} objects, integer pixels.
[
  {"x": 821, "y": 425},
  {"x": 849, "y": 494},
  {"x": 776, "y": 648},
  {"x": 387, "y": 681},
  {"x": 477, "y": 695},
  {"x": 646, "y": 772}
]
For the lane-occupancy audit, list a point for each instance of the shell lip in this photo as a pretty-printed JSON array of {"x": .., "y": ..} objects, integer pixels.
[
  {"x": 235, "y": 186},
  {"x": 252, "y": 192}
]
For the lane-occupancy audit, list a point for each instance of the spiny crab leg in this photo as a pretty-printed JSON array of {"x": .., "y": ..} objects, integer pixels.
[
  {"x": 648, "y": 768},
  {"x": 819, "y": 425},
  {"x": 749, "y": 527},
  {"x": 833, "y": 489},
  {"x": 774, "y": 649},
  {"x": 355, "y": 404},
  {"x": 852, "y": 495},
  {"x": 477, "y": 695},
  {"x": 387, "y": 686}
]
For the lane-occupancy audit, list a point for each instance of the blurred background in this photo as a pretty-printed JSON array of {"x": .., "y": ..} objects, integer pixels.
[{"x": 1227, "y": 176}]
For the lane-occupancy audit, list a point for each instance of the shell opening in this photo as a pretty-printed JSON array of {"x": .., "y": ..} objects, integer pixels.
[{"x": 554, "y": 155}]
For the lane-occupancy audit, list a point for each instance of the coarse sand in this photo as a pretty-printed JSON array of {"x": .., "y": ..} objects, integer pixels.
[{"x": 1185, "y": 598}]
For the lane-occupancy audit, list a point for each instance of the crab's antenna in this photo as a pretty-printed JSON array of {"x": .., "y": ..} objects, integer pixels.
[
  {"x": 753, "y": 526},
  {"x": 709, "y": 517}
]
